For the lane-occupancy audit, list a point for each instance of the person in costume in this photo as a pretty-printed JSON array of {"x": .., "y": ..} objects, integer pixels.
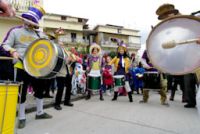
[
  {"x": 94, "y": 67},
  {"x": 16, "y": 42},
  {"x": 139, "y": 72},
  {"x": 122, "y": 65},
  {"x": 64, "y": 78},
  {"x": 164, "y": 11},
  {"x": 107, "y": 75}
]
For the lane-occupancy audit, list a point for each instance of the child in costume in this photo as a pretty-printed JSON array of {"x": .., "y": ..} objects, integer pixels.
[
  {"x": 107, "y": 75},
  {"x": 94, "y": 67},
  {"x": 122, "y": 65}
]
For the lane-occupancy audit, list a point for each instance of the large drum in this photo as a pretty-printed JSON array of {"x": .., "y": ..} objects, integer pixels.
[
  {"x": 181, "y": 59},
  {"x": 44, "y": 59},
  {"x": 119, "y": 80},
  {"x": 94, "y": 82}
]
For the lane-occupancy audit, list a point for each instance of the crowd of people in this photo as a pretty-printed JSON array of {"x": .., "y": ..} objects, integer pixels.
[{"x": 104, "y": 73}]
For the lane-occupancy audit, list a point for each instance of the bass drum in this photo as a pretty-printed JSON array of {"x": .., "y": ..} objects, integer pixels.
[
  {"x": 181, "y": 59},
  {"x": 43, "y": 59}
]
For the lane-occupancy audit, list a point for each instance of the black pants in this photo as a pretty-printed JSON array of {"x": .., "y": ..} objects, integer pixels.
[
  {"x": 178, "y": 80},
  {"x": 190, "y": 89},
  {"x": 6, "y": 70},
  {"x": 61, "y": 83},
  {"x": 37, "y": 84},
  {"x": 47, "y": 87}
]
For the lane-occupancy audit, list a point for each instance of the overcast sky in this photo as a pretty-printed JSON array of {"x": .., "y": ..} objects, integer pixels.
[{"x": 136, "y": 14}]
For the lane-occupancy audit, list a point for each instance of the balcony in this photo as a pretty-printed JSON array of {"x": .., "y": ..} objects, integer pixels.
[
  {"x": 71, "y": 41},
  {"x": 111, "y": 44}
]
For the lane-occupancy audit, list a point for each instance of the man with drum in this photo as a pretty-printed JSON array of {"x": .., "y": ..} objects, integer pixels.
[
  {"x": 122, "y": 65},
  {"x": 164, "y": 11},
  {"x": 16, "y": 42}
]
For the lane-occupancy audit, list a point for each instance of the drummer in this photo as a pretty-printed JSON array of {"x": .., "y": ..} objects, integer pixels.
[
  {"x": 122, "y": 65},
  {"x": 16, "y": 42},
  {"x": 164, "y": 11},
  {"x": 94, "y": 67}
]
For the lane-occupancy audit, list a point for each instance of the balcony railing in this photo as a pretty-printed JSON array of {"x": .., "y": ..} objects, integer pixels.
[
  {"x": 22, "y": 5},
  {"x": 111, "y": 44},
  {"x": 75, "y": 41}
]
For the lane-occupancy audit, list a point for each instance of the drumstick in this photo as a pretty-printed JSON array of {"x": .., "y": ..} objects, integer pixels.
[
  {"x": 6, "y": 58},
  {"x": 173, "y": 43}
]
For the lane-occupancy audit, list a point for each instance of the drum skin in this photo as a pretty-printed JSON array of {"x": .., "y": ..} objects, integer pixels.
[
  {"x": 181, "y": 59},
  {"x": 94, "y": 82},
  {"x": 43, "y": 59}
]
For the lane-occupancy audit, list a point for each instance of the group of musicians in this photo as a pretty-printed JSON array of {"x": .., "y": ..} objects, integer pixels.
[{"x": 19, "y": 38}]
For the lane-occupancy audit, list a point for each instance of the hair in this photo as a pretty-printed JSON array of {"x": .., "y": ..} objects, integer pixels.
[
  {"x": 95, "y": 48},
  {"x": 140, "y": 65}
]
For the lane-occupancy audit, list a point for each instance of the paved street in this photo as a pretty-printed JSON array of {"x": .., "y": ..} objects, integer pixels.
[{"x": 120, "y": 117}]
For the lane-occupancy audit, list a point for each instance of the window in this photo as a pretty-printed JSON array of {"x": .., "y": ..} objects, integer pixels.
[
  {"x": 63, "y": 17},
  {"x": 80, "y": 20},
  {"x": 73, "y": 37},
  {"x": 119, "y": 30}
]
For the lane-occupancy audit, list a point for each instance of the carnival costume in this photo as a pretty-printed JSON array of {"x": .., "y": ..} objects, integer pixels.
[{"x": 122, "y": 64}]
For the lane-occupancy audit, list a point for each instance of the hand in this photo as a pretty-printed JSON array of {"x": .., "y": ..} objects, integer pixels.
[
  {"x": 198, "y": 41},
  {"x": 15, "y": 55},
  {"x": 6, "y": 9}
]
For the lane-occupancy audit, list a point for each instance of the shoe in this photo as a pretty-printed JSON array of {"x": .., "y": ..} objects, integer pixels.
[
  {"x": 101, "y": 98},
  {"x": 43, "y": 116},
  {"x": 142, "y": 101},
  {"x": 189, "y": 106},
  {"x": 22, "y": 123},
  {"x": 58, "y": 107},
  {"x": 69, "y": 104},
  {"x": 165, "y": 104},
  {"x": 171, "y": 99}
]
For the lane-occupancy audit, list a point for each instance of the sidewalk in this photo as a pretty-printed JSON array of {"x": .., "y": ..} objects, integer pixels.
[{"x": 48, "y": 102}]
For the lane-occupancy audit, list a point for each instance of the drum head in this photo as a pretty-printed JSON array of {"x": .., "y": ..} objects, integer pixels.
[
  {"x": 40, "y": 58},
  {"x": 118, "y": 76},
  {"x": 181, "y": 59},
  {"x": 94, "y": 75}
]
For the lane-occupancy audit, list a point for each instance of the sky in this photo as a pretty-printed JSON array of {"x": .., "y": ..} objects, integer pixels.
[{"x": 135, "y": 14}]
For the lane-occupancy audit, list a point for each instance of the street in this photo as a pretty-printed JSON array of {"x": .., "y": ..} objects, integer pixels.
[{"x": 119, "y": 117}]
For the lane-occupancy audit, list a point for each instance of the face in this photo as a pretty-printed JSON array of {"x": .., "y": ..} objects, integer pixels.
[
  {"x": 121, "y": 50},
  {"x": 95, "y": 51},
  {"x": 108, "y": 59}
]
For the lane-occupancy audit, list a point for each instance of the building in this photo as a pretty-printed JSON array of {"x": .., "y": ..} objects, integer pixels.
[
  {"x": 77, "y": 34},
  {"x": 106, "y": 33}
]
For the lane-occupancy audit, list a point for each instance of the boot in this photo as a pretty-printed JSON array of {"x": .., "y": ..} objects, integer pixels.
[
  {"x": 88, "y": 95},
  {"x": 101, "y": 95},
  {"x": 130, "y": 97},
  {"x": 145, "y": 96},
  {"x": 115, "y": 96}
]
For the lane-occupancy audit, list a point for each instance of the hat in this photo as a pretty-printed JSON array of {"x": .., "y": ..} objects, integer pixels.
[
  {"x": 34, "y": 14},
  {"x": 164, "y": 10},
  {"x": 94, "y": 45},
  {"x": 122, "y": 45}
]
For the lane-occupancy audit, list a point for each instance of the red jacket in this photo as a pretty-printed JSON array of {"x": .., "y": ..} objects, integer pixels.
[{"x": 107, "y": 77}]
